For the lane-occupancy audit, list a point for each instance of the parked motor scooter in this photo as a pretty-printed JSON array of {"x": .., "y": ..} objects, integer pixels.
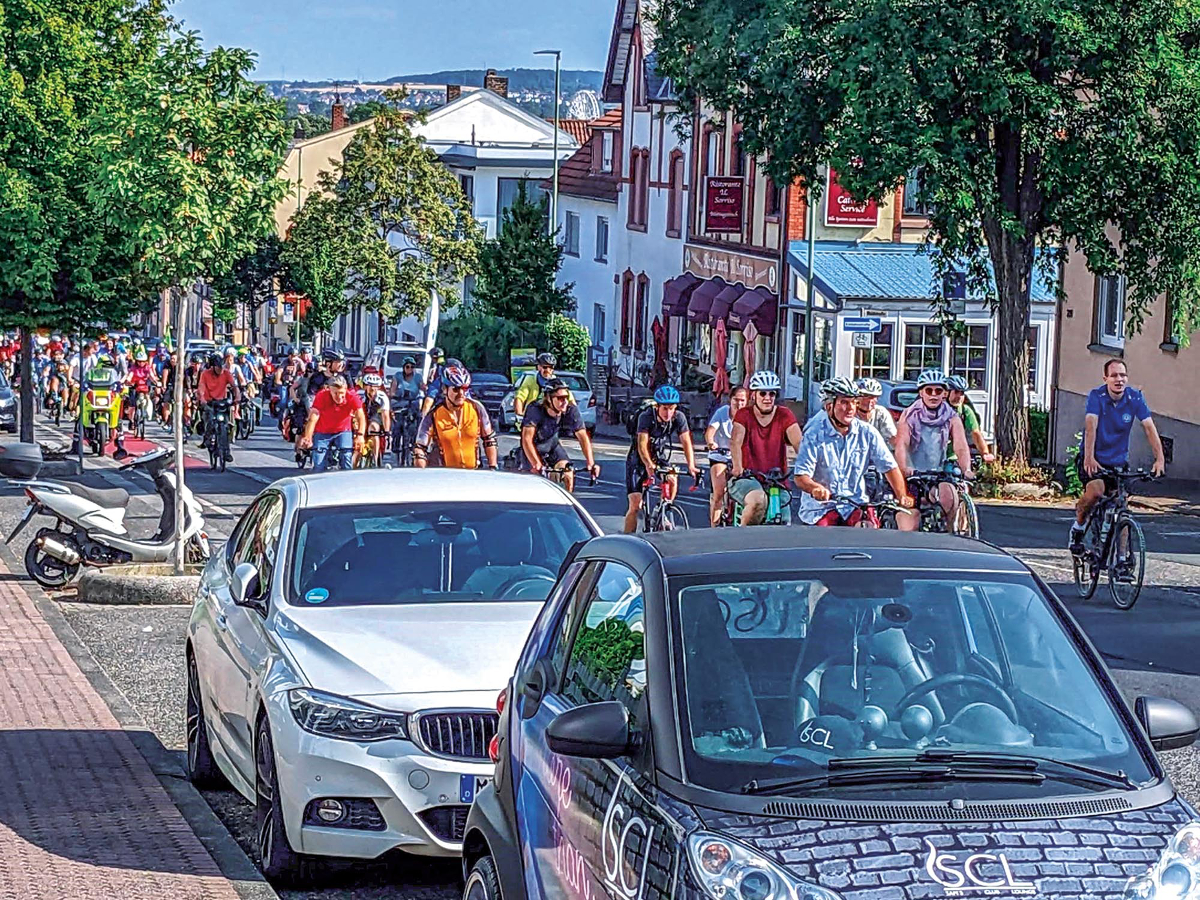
[
  {"x": 100, "y": 406},
  {"x": 89, "y": 528}
]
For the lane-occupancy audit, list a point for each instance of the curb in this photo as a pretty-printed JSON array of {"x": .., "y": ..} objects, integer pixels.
[
  {"x": 233, "y": 862},
  {"x": 109, "y": 587}
]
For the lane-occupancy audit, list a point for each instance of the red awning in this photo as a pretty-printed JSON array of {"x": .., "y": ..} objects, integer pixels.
[
  {"x": 702, "y": 299},
  {"x": 723, "y": 302},
  {"x": 677, "y": 292},
  {"x": 759, "y": 305}
]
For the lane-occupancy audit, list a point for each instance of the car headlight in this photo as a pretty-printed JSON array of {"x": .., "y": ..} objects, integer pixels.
[
  {"x": 1176, "y": 875},
  {"x": 728, "y": 870},
  {"x": 338, "y": 717}
]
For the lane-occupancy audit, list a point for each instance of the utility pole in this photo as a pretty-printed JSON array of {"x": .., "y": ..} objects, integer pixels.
[
  {"x": 179, "y": 299},
  {"x": 557, "y": 54},
  {"x": 810, "y": 229}
]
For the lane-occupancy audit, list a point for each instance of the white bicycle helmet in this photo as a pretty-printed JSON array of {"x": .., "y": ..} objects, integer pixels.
[
  {"x": 931, "y": 376},
  {"x": 838, "y": 386},
  {"x": 372, "y": 380},
  {"x": 765, "y": 380},
  {"x": 869, "y": 387}
]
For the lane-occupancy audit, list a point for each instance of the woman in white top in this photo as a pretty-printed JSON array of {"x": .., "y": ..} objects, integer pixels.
[{"x": 717, "y": 436}]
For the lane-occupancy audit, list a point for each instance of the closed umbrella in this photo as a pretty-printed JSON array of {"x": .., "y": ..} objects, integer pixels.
[
  {"x": 659, "y": 333},
  {"x": 750, "y": 333},
  {"x": 721, "y": 381}
]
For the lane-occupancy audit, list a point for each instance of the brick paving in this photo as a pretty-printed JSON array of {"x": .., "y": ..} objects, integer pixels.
[{"x": 81, "y": 813}]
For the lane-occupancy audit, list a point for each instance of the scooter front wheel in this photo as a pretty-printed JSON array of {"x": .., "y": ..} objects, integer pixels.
[{"x": 45, "y": 569}]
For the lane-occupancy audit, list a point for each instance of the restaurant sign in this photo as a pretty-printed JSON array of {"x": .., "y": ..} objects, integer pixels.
[
  {"x": 842, "y": 210},
  {"x": 735, "y": 268},
  {"x": 723, "y": 205}
]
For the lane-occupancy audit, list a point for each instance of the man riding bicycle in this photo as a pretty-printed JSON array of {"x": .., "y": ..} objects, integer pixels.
[
  {"x": 656, "y": 427},
  {"x": 336, "y": 419},
  {"x": 216, "y": 383},
  {"x": 541, "y": 427},
  {"x": 378, "y": 412},
  {"x": 833, "y": 459},
  {"x": 533, "y": 385},
  {"x": 1107, "y": 423},
  {"x": 926, "y": 430},
  {"x": 452, "y": 430},
  {"x": 433, "y": 389},
  {"x": 717, "y": 437},
  {"x": 761, "y": 435},
  {"x": 869, "y": 410}
]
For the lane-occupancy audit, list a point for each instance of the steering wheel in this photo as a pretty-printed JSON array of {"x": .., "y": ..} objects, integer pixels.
[
  {"x": 941, "y": 681},
  {"x": 511, "y": 590}
]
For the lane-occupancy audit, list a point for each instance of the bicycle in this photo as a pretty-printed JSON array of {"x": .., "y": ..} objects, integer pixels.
[
  {"x": 875, "y": 513},
  {"x": 559, "y": 476},
  {"x": 779, "y": 500},
  {"x": 1109, "y": 528},
  {"x": 374, "y": 447},
  {"x": 404, "y": 433},
  {"x": 665, "y": 515},
  {"x": 923, "y": 486},
  {"x": 216, "y": 433}
]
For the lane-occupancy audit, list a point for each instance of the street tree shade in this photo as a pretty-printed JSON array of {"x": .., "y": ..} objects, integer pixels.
[{"x": 1073, "y": 126}]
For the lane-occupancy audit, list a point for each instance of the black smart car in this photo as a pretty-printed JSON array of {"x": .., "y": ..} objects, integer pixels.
[{"x": 784, "y": 713}]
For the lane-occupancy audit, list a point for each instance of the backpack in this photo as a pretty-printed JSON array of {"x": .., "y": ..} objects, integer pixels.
[{"x": 631, "y": 424}]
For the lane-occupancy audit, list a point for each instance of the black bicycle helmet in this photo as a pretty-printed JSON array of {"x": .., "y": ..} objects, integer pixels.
[
  {"x": 547, "y": 359},
  {"x": 555, "y": 384},
  {"x": 199, "y": 358},
  {"x": 332, "y": 354},
  {"x": 215, "y": 360}
]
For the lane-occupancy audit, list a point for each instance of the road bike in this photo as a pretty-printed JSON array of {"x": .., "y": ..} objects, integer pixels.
[
  {"x": 1112, "y": 543},
  {"x": 559, "y": 475},
  {"x": 779, "y": 499},
  {"x": 374, "y": 447},
  {"x": 925, "y": 488},
  {"x": 659, "y": 513}
]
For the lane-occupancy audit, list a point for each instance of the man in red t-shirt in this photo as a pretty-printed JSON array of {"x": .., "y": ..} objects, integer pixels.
[
  {"x": 336, "y": 418},
  {"x": 761, "y": 433},
  {"x": 215, "y": 384}
]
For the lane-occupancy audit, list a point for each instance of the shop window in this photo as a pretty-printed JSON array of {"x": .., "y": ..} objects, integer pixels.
[
  {"x": 798, "y": 345},
  {"x": 627, "y": 309},
  {"x": 1110, "y": 311},
  {"x": 571, "y": 234},
  {"x": 712, "y": 159},
  {"x": 914, "y": 205},
  {"x": 922, "y": 349},
  {"x": 970, "y": 357},
  {"x": 822, "y": 348},
  {"x": 875, "y": 361},
  {"x": 738, "y": 160},
  {"x": 639, "y": 322}
]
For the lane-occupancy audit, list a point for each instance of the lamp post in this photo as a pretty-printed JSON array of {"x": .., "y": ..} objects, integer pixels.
[
  {"x": 810, "y": 228},
  {"x": 557, "y": 54}
]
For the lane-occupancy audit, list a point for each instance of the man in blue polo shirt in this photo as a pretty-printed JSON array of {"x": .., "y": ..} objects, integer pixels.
[{"x": 1108, "y": 420}]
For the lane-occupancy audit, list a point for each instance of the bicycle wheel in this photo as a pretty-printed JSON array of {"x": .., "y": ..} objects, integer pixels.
[
  {"x": 887, "y": 519},
  {"x": 671, "y": 517},
  {"x": 1126, "y": 567},
  {"x": 222, "y": 445},
  {"x": 967, "y": 516},
  {"x": 1086, "y": 563}
]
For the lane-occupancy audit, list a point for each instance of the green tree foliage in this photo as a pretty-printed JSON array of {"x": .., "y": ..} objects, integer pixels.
[
  {"x": 1035, "y": 123},
  {"x": 568, "y": 341},
  {"x": 311, "y": 124},
  {"x": 360, "y": 112},
  {"x": 251, "y": 282},
  {"x": 518, "y": 267},
  {"x": 314, "y": 257},
  {"x": 483, "y": 341}
]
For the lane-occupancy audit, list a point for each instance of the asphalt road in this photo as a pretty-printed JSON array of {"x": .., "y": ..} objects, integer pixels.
[{"x": 1152, "y": 648}]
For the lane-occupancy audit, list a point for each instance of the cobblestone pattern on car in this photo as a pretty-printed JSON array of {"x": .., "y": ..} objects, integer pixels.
[{"x": 1082, "y": 858}]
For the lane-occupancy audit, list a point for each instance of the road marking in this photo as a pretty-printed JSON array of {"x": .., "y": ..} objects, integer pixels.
[{"x": 1186, "y": 534}]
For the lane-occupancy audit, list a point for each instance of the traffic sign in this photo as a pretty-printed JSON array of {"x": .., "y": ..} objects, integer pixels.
[
  {"x": 862, "y": 338},
  {"x": 868, "y": 324}
]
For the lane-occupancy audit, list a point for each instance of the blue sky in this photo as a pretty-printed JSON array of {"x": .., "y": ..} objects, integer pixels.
[{"x": 374, "y": 39}]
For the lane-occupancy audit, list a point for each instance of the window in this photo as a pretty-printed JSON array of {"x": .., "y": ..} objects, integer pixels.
[
  {"x": 738, "y": 162},
  {"x": 627, "y": 309},
  {"x": 643, "y": 290},
  {"x": 773, "y": 202},
  {"x": 1172, "y": 337},
  {"x": 601, "y": 239},
  {"x": 643, "y": 188},
  {"x": 607, "y": 140},
  {"x": 562, "y": 639},
  {"x": 468, "y": 188},
  {"x": 607, "y": 659},
  {"x": 507, "y": 190},
  {"x": 599, "y": 329},
  {"x": 970, "y": 357},
  {"x": 712, "y": 159},
  {"x": 1110, "y": 311},
  {"x": 822, "y": 348},
  {"x": 922, "y": 349},
  {"x": 798, "y": 344},
  {"x": 1032, "y": 341},
  {"x": 675, "y": 198},
  {"x": 571, "y": 234},
  {"x": 914, "y": 205},
  {"x": 638, "y": 188},
  {"x": 875, "y": 361}
]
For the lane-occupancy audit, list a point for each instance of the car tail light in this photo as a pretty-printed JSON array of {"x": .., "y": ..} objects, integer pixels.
[
  {"x": 494, "y": 748},
  {"x": 501, "y": 700},
  {"x": 591, "y": 401}
]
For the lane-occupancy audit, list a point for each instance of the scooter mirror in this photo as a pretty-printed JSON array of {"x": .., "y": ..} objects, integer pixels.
[{"x": 243, "y": 586}]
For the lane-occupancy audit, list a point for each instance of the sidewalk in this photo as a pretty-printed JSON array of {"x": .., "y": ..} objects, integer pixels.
[
  {"x": 82, "y": 814},
  {"x": 1167, "y": 495}
]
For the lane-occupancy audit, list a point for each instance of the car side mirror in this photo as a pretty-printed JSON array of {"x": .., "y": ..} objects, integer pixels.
[
  {"x": 244, "y": 587},
  {"x": 1170, "y": 724},
  {"x": 592, "y": 731}
]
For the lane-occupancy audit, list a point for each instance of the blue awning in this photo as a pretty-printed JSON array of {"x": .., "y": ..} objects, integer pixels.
[{"x": 888, "y": 271}]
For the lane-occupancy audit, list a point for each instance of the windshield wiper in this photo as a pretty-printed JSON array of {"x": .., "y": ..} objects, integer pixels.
[
  {"x": 1033, "y": 763},
  {"x": 909, "y": 770}
]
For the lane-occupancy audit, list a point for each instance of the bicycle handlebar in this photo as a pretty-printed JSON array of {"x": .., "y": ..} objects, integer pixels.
[{"x": 879, "y": 504}]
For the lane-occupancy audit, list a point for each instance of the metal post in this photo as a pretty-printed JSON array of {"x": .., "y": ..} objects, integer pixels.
[
  {"x": 299, "y": 206},
  {"x": 180, "y": 304},
  {"x": 557, "y": 54},
  {"x": 810, "y": 227},
  {"x": 79, "y": 404}
]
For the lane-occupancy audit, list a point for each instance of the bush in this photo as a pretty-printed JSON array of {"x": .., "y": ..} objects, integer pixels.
[
  {"x": 569, "y": 341},
  {"x": 1039, "y": 433},
  {"x": 483, "y": 342},
  {"x": 995, "y": 475},
  {"x": 1074, "y": 484}
]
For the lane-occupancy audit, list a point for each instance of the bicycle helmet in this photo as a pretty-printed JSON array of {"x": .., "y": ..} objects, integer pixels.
[
  {"x": 547, "y": 359},
  {"x": 372, "y": 380},
  {"x": 437, "y": 353},
  {"x": 931, "y": 376},
  {"x": 200, "y": 358},
  {"x": 456, "y": 376},
  {"x": 555, "y": 384},
  {"x": 666, "y": 395},
  {"x": 332, "y": 354},
  {"x": 216, "y": 360},
  {"x": 869, "y": 387},
  {"x": 765, "y": 380},
  {"x": 838, "y": 386},
  {"x": 956, "y": 383},
  {"x": 408, "y": 361},
  {"x": 140, "y": 356}
]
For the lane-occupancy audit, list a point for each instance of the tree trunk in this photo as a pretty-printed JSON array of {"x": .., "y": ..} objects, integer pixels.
[
  {"x": 27, "y": 385},
  {"x": 1012, "y": 259}
]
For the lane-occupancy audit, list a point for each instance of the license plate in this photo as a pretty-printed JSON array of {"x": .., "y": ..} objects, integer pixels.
[{"x": 469, "y": 787}]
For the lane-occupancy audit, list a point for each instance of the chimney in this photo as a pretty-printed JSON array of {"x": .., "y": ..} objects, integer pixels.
[
  {"x": 453, "y": 92},
  {"x": 337, "y": 113},
  {"x": 497, "y": 84}
]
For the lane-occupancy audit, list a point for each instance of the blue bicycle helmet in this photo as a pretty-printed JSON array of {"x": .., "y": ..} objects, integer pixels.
[{"x": 666, "y": 395}]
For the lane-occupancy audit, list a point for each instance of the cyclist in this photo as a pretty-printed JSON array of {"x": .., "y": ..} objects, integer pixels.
[
  {"x": 216, "y": 383},
  {"x": 407, "y": 385},
  {"x": 716, "y": 437},
  {"x": 1107, "y": 423},
  {"x": 335, "y": 419},
  {"x": 761, "y": 435},
  {"x": 957, "y": 386},
  {"x": 656, "y": 427},
  {"x": 833, "y": 460},
  {"x": 533, "y": 384},
  {"x": 167, "y": 397},
  {"x": 544, "y": 421},
  {"x": 191, "y": 388},
  {"x": 869, "y": 410},
  {"x": 456, "y": 426},
  {"x": 433, "y": 389},
  {"x": 378, "y": 412},
  {"x": 926, "y": 430}
]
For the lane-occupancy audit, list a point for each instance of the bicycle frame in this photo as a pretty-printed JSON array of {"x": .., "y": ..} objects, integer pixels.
[{"x": 653, "y": 513}]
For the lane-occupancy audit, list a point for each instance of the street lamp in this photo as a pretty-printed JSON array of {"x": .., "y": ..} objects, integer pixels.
[{"x": 557, "y": 54}]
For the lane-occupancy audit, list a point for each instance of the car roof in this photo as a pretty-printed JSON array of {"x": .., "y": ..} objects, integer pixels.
[
  {"x": 410, "y": 485},
  {"x": 737, "y": 551}
]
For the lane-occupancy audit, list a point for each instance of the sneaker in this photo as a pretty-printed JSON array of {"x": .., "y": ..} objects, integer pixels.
[
  {"x": 228, "y": 456},
  {"x": 1075, "y": 544}
]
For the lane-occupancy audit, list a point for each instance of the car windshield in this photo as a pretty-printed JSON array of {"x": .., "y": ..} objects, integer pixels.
[
  {"x": 430, "y": 553},
  {"x": 577, "y": 383},
  {"x": 395, "y": 358},
  {"x": 782, "y": 677}
]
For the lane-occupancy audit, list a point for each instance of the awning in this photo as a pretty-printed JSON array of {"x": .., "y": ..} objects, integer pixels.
[
  {"x": 677, "y": 292},
  {"x": 702, "y": 299},
  {"x": 723, "y": 302},
  {"x": 759, "y": 305}
]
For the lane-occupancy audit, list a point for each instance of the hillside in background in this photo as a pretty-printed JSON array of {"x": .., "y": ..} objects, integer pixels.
[{"x": 539, "y": 80}]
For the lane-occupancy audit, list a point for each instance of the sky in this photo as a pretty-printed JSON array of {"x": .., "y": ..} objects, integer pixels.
[{"x": 362, "y": 40}]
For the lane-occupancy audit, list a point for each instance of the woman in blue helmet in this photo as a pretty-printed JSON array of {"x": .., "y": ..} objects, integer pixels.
[{"x": 656, "y": 427}]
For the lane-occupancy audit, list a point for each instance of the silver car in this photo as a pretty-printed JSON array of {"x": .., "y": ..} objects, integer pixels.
[{"x": 346, "y": 650}]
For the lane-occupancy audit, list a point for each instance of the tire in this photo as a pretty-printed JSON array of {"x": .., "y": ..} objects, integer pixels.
[
  {"x": 202, "y": 769},
  {"x": 1085, "y": 563},
  {"x": 102, "y": 436},
  {"x": 484, "y": 881},
  {"x": 673, "y": 518},
  {"x": 1125, "y": 593},
  {"x": 278, "y": 861},
  {"x": 222, "y": 445},
  {"x": 968, "y": 517},
  {"x": 44, "y": 568}
]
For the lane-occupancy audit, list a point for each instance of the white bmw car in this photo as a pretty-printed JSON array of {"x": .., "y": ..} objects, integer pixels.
[{"x": 346, "y": 649}]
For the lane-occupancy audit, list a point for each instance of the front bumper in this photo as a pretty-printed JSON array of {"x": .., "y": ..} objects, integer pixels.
[{"x": 419, "y": 796}]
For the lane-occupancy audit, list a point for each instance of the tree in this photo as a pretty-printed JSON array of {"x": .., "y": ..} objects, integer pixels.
[
  {"x": 314, "y": 258},
  {"x": 1034, "y": 124},
  {"x": 62, "y": 264},
  {"x": 250, "y": 283},
  {"x": 519, "y": 266},
  {"x": 568, "y": 341},
  {"x": 369, "y": 109},
  {"x": 311, "y": 124}
]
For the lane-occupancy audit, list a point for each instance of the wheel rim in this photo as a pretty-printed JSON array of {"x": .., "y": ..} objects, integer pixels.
[
  {"x": 673, "y": 519},
  {"x": 1125, "y": 593},
  {"x": 475, "y": 889},
  {"x": 264, "y": 789},
  {"x": 194, "y": 721}
]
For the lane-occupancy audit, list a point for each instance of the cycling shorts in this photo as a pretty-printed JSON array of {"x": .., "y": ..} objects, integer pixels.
[{"x": 635, "y": 472}]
